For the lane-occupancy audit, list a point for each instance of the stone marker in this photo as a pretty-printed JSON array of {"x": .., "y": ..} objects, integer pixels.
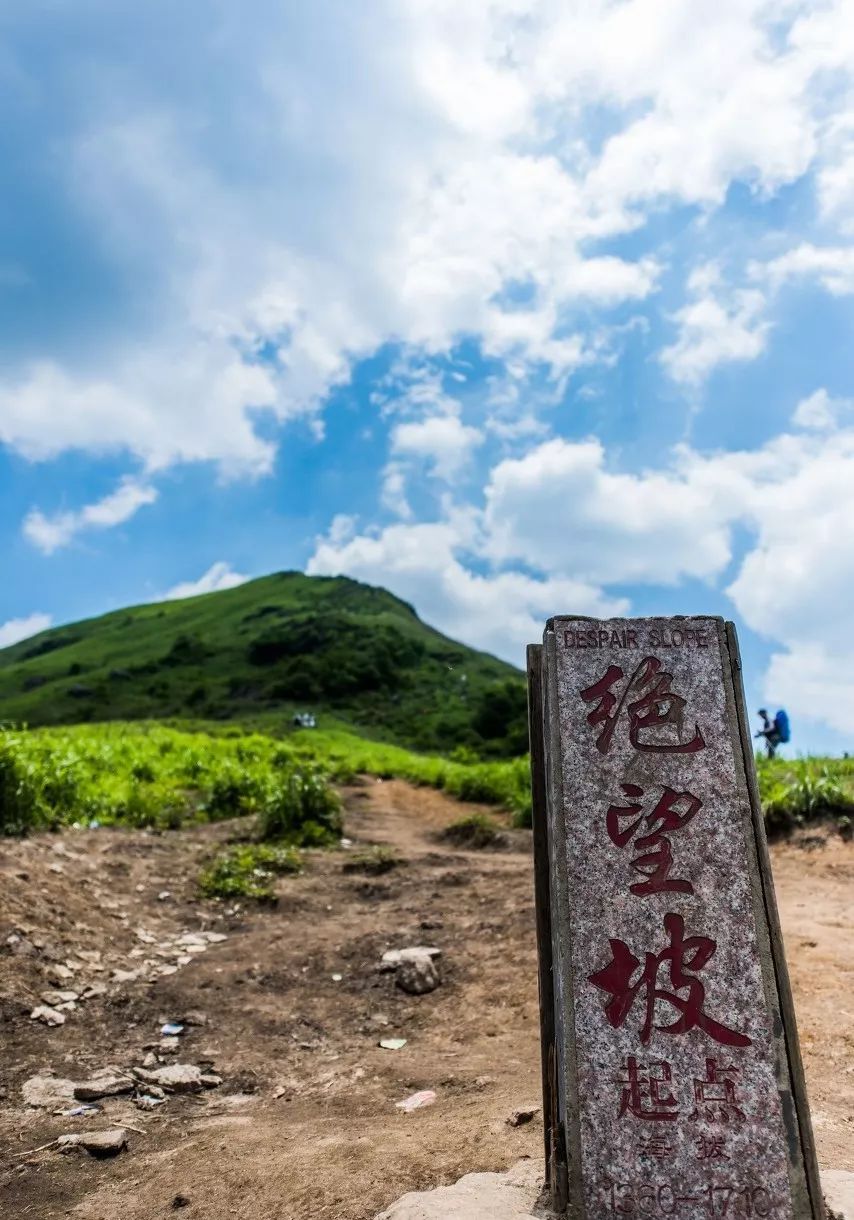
[{"x": 672, "y": 1076}]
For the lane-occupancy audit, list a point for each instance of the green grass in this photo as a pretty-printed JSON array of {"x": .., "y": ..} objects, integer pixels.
[
  {"x": 158, "y": 775},
  {"x": 354, "y": 655},
  {"x": 795, "y": 793},
  {"x": 151, "y": 775},
  {"x": 373, "y": 861},
  {"x": 477, "y": 830},
  {"x": 248, "y": 871}
]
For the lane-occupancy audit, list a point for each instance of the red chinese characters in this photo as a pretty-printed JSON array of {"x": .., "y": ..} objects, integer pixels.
[
  {"x": 650, "y": 705},
  {"x": 715, "y": 1097},
  {"x": 646, "y": 1091},
  {"x": 654, "y": 854},
  {"x": 626, "y": 979}
]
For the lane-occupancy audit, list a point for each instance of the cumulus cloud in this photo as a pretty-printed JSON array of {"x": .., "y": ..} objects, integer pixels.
[
  {"x": 461, "y": 145},
  {"x": 50, "y": 532},
  {"x": 818, "y": 410},
  {"x": 16, "y": 629},
  {"x": 561, "y": 530},
  {"x": 426, "y": 564},
  {"x": 561, "y": 509},
  {"x": 717, "y": 326},
  {"x": 832, "y": 266},
  {"x": 443, "y": 441},
  {"x": 219, "y": 575}
]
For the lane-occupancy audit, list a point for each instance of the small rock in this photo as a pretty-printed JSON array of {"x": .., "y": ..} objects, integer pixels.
[
  {"x": 168, "y": 1046},
  {"x": 45, "y": 1092},
  {"x": 107, "y": 1083},
  {"x": 125, "y": 976},
  {"x": 96, "y": 1143},
  {"x": 395, "y": 957},
  {"x": 418, "y": 976},
  {"x": 195, "y": 1018},
  {"x": 522, "y": 1115},
  {"x": 47, "y": 1015},
  {"x": 59, "y": 974},
  {"x": 92, "y": 990},
  {"x": 150, "y": 1060},
  {"x": 55, "y": 998},
  {"x": 147, "y": 1100},
  {"x": 178, "y": 1078},
  {"x": 164, "y": 895}
]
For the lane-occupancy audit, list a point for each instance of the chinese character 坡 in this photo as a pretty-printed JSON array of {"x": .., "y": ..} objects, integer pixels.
[
  {"x": 654, "y": 707},
  {"x": 625, "y": 979},
  {"x": 654, "y": 857}
]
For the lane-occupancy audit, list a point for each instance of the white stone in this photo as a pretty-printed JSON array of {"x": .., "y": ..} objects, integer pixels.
[
  {"x": 45, "y": 1092},
  {"x": 477, "y": 1196},
  {"x": 838, "y": 1187},
  {"x": 47, "y": 1016},
  {"x": 395, "y": 957}
]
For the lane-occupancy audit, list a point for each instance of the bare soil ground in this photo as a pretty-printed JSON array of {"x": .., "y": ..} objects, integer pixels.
[{"x": 304, "y": 1126}]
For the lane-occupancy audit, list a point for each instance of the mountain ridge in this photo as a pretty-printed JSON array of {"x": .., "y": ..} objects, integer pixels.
[{"x": 263, "y": 650}]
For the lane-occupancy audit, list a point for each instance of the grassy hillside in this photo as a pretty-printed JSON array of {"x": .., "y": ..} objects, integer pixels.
[{"x": 350, "y": 653}]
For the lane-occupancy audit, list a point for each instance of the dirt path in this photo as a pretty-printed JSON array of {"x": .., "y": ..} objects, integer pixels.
[{"x": 304, "y": 1126}]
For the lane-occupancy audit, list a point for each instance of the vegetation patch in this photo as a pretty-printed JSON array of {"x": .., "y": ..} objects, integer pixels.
[
  {"x": 477, "y": 830},
  {"x": 795, "y": 793},
  {"x": 373, "y": 861},
  {"x": 248, "y": 871}
]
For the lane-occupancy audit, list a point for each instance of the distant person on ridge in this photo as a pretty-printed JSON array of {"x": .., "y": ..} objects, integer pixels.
[{"x": 776, "y": 732}]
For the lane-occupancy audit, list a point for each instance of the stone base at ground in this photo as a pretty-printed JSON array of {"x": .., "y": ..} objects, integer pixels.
[
  {"x": 477, "y": 1196},
  {"x": 513, "y": 1196},
  {"x": 838, "y": 1187}
]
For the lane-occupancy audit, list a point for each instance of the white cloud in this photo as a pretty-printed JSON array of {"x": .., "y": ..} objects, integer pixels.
[
  {"x": 718, "y": 326},
  {"x": 819, "y": 411},
  {"x": 403, "y": 198},
  {"x": 443, "y": 441},
  {"x": 424, "y": 564},
  {"x": 393, "y": 494},
  {"x": 561, "y": 529},
  {"x": 832, "y": 266},
  {"x": 219, "y": 575},
  {"x": 49, "y": 533},
  {"x": 16, "y": 629},
  {"x": 560, "y": 509}
]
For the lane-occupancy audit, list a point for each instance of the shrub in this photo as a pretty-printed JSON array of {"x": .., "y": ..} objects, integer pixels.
[
  {"x": 247, "y": 871},
  {"x": 477, "y": 830},
  {"x": 374, "y": 861},
  {"x": 299, "y": 800}
]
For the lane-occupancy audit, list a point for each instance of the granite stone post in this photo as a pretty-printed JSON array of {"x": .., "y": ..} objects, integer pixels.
[{"x": 673, "y": 1085}]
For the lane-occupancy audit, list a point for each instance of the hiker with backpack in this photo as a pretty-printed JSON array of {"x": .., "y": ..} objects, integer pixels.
[{"x": 776, "y": 732}]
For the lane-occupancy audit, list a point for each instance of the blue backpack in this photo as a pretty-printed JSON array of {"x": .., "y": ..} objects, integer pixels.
[{"x": 781, "y": 724}]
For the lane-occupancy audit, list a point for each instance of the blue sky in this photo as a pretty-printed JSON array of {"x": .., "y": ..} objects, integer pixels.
[{"x": 516, "y": 308}]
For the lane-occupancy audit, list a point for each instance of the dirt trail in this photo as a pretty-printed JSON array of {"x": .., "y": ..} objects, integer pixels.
[{"x": 304, "y": 1125}]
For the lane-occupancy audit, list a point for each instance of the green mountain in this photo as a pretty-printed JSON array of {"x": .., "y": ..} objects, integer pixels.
[{"x": 260, "y": 653}]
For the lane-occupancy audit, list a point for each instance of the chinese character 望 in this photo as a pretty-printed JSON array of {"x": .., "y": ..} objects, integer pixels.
[
  {"x": 654, "y": 706},
  {"x": 625, "y": 979},
  {"x": 654, "y": 857}
]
